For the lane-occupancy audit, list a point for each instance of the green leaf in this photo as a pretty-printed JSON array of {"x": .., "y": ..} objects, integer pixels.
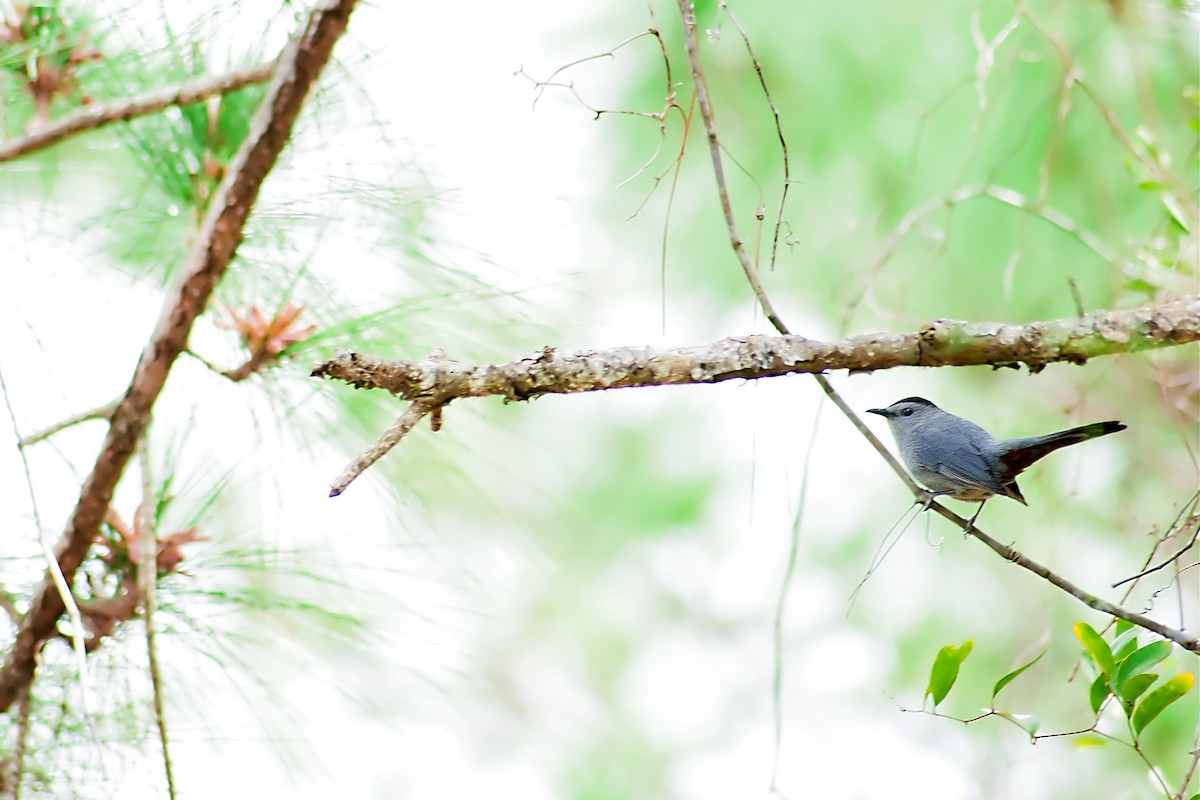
[
  {"x": 1088, "y": 740},
  {"x": 1027, "y": 722},
  {"x": 1007, "y": 679},
  {"x": 1135, "y": 686},
  {"x": 1096, "y": 647},
  {"x": 1141, "y": 285},
  {"x": 1139, "y": 662},
  {"x": 1159, "y": 699},
  {"x": 1125, "y": 642},
  {"x": 1177, "y": 214},
  {"x": 1098, "y": 693},
  {"x": 945, "y": 670}
]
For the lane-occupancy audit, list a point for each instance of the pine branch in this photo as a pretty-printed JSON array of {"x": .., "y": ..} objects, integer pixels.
[
  {"x": 215, "y": 243},
  {"x": 101, "y": 114}
]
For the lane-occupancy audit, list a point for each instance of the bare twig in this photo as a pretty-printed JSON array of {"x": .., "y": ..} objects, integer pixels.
[
  {"x": 213, "y": 247},
  {"x": 1000, "y": 194},
  {"x": 1191, "y": 770},
  {"x": 100, "y": 412},
  {"x": 785, "y": 585},
  {"x": 1159, "y": 542},
  {"x": 1192, "y": 519},
  {"x": 9, "y": 607},
  {"x": 147, "y": 560},
  {"x": 541, "y": 85},
  {"x": 101, "y": 114},
  {"x": 787, "y": 162},
  {"x": 416, "y": 411},
  {"x": 688, "y": 16},
  {"x": 24, "y": 708},
  {"x": 1180, "y": 191},
  {"x": 60, "y": 584}
]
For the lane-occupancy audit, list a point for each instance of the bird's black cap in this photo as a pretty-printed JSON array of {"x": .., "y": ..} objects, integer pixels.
[
  {"x": 883, "y": 412},
  {"x": 921, "y": 401}
]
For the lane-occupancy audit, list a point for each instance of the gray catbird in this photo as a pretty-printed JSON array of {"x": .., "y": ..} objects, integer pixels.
[{"x": 951, "y": 456}]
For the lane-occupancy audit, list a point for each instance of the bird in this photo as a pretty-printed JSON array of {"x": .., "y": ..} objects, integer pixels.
[{"x": 953, "y": 457}]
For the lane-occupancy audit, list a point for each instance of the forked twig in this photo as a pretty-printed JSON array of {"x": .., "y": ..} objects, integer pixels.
[{"x": 1179, "y": 523}]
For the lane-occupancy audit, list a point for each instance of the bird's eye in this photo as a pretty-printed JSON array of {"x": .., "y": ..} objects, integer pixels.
[{"x": 906, "y": 412}]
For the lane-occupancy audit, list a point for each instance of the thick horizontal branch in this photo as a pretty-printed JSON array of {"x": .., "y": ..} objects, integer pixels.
[
  {"x": 940, "y": 343},
  {"x": 101, "y": 114}
]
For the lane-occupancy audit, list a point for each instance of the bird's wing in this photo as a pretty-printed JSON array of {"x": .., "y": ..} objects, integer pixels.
[
  {"x": 971, "y": 468},
  {"x": 986, "y": 484},
  {"x": 969, "y": 477}
]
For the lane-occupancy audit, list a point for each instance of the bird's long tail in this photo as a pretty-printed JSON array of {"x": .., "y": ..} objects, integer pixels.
[{"x": 1023, "y": 452}]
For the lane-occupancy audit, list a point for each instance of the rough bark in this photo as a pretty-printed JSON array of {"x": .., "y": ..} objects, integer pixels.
[{"x": 937, "y": 344}]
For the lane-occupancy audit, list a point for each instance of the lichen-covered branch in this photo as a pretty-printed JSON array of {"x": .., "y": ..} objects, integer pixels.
[
  {"x": 937, "y": 344},
  {"x": 212, "y": 249}
]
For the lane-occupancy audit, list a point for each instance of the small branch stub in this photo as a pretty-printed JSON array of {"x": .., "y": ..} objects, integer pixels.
[{"x": 398, "y": 430}]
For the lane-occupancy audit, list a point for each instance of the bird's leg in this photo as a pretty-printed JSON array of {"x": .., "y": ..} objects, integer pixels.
[
  {"x": 971, "y": 522},
  {"x": 930, "y": 497}
]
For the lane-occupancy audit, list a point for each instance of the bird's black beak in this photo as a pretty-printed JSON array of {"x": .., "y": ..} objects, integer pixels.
[{"x": 880, "y": 411}]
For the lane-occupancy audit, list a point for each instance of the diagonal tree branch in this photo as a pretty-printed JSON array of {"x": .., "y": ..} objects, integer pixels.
[
  {"x": 1087, "y": 598},
  {"x": 215, "y": 243},
  {"x": 687, "y": 14},
  {"x": 939, "y": 343},
  {"x": 101, "y": 114}
]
